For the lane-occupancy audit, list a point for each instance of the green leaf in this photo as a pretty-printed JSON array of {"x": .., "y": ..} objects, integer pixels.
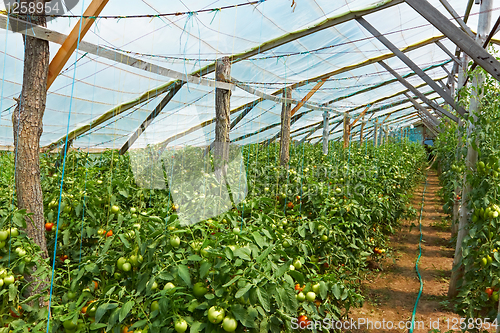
[
  {"x": 196, "y": 327},
  {"x": 139, "y": 323},
  {"x": 259, "y": 239},
  {"x": 243, "y": 253},
  {"x": 124, "y": 241},
  {"x": 183, "y": 272},
  {"x": 233, "y": 280},
  {"x": 263, "y": 299},
  {"x": 125, "y": 310},
  {"x": 12, "y": 292},
  {"x": 323, "y": 289},
  {"x": 336, "y": 291},
  {"x": 96, "y": 326},
  {"x": 243, "y": 290},
  {"x": 101, "y": 310},
  {"x": 204, "y": 268}
]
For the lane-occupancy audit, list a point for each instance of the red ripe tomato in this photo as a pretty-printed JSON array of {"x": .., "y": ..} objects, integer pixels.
[
  {"x": 303, "y": 322},
  {"x": 489, "y": 291},
  {"x": 290, "y": 205},
  {"x": 49, "y": 226},
  {"x": 109, "y": 233},
  {"x": 298, "y": 287}
]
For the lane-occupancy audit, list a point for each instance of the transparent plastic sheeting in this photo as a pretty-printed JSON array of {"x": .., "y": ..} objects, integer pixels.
[
  {"x": 200, "y": 187},
  {"x": 193, "y": 41}
]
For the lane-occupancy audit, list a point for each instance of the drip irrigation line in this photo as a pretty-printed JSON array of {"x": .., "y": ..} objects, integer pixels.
[{"x": 418, "y": 259}]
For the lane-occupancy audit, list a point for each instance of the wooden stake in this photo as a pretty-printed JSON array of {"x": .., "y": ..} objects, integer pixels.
[
  {"x": 347, "y": 130},
  {"x": 326, "y": 130},
  {"x": 285, "y": 129},
  {"x": 222, "y": 112},
  {"x": 361, "y": 131}
]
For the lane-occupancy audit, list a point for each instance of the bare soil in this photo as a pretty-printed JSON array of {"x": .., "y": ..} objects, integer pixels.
[{"x": 390, "y": 294}]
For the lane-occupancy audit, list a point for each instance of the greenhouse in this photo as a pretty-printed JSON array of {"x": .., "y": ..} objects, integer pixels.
[{"x": 249, "y": 166}]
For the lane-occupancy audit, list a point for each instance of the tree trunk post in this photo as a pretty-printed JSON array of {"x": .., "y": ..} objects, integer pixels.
[
  {"x": 375, "y": 133},
  {"x": 347, "y": 130},
  {"x": 326, "y": 129},
  {"x": 222, "y": 113},
  {"x": 472, "y": 155},
  {"x": 27, "y": 129},
  {"x": 286, "y": 115}
]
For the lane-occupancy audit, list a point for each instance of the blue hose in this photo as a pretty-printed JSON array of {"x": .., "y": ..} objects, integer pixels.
[{"x": 418, "y": 259}]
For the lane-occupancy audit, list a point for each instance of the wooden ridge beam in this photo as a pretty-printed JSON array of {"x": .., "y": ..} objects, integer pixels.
[
  {"x": 411, "y": 64},
  {"x": 76, "y": 35},
  {"x": 461, "y": 39},
  {"x": 418, "y": 93}
]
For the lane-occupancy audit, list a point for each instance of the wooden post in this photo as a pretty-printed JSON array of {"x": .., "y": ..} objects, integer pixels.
[
  {"x": 361, "y": 131},
  {"x": 326, "y": 129},
  {"x": 472, "y": 155},
  {"x": 222, "y": 112},
  {"x": 286, "y": 114},
  {"x": 375, "y": 132},
  {"x": 347, "y": 130}
]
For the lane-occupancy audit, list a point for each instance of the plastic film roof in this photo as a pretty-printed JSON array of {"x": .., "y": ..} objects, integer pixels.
[{"x": 89, "y": 86}]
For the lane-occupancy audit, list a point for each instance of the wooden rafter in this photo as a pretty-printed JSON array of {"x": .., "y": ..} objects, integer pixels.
[
  {"x": 69, "y": 46},
  {"x": 308, "y": 96}
]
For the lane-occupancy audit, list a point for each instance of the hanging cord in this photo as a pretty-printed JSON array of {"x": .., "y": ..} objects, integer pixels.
[
  {"x": 62, "y": 177},
  {"x": 418, "y": 259}
]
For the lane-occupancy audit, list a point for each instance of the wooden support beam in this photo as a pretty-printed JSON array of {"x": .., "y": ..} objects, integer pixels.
[
  {"x": 411, "y": 64},
  {"x": 308, "y": 96},
  {"x": 286, "y": 116},
  {"x": 448, "y": 52},
  {"x": 419, "y": 94},
  {"x": 360, "y": 115},
  {"x": 126, "y": 146},
  {"x": 420, "y": 108},
  {"x": 462, "y": 40},
  {"x": 375, "y": 134},
  {"x": 222, "y": 114},
  {"x": 326, "y": 121},
  {"x": 361, "y": 131},
  {"x": 457, "y": 18},
  {"x": 76, "y": 35}
]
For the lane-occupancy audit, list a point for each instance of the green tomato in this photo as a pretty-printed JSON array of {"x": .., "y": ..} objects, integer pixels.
[
  {"x": 324, "y": 238},
  {"x": 300, "y": 297},
  {"x": 126, "y": 267},
  {"x": 286, "y": 244},
  {"x": 484, "y": 262},
  {"x": 120, "y": 262},
  {"x": 134, "y": 260},
  {"x": 311, "y": 296},
  {"x": 216, "y": 314},
  {"x": 175, "y": 241},
  {"x": 69, "y": 325},
  {"x": 205, "y": 251},
  {"x": 315, "y": 288},
  {"x": 1, "y": 283},
  {"x": 71, "y": 295},
  {"x": 4, "y": 234},
  {"x": 490, "y": 259},
  {"x": 115, "y": 209},
  {"x": 155, "y": 306},
  {"x": 168, "y": 287},
  {"x": 8, "y": 280},
  {"x": 199, "y": 289},
  {"x": 181, "y": 325},
  {"x": 154, "y": 285},
  {"x": 314, "y": 259},
  {"x": 297, "y": 264},
  {"x": 13, "y": 232},
  {"x": 133, "y": 210},
  {"x": 229, "y": 324}
]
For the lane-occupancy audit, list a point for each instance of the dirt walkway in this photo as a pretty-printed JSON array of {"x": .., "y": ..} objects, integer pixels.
[{"x": 391, "y": 294}]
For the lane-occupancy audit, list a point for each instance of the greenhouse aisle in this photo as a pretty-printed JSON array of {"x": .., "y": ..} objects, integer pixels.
[{"x": 391, "y": 294}]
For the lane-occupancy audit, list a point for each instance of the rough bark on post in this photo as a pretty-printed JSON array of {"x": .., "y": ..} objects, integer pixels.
[
  {"x": 27, "y": 128},
  {"x": 375, "y": 133},
  {"x": 326, "y": 130},
  {"x": 222, "y": 113},
  {"x": 286, "y": 115},
  {"x": 472, "y": 155},
  {"x": 347, "y": 130}
]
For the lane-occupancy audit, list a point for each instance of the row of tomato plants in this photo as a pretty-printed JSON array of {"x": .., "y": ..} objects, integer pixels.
[
  {"x": 479, "y": 290},
  {"x": 293, "y": 251}
]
